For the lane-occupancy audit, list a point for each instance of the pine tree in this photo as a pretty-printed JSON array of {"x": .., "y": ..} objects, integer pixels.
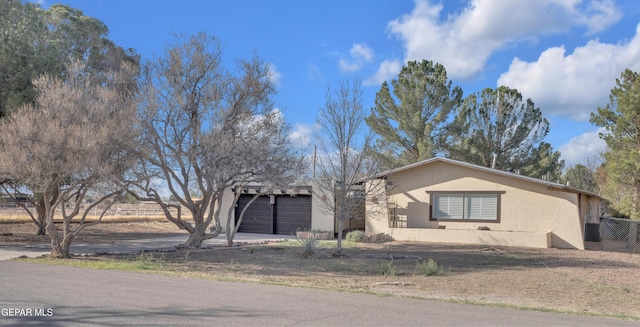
[
  {"x": 621, "y": 166},
  {"x": 409, "y": 116},
  {"x": 498, "y": 128}
]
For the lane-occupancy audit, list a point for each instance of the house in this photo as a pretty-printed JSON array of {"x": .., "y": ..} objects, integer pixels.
[
  {"x": 448, "y": 201},
  {"x": 13, "y": 201}
]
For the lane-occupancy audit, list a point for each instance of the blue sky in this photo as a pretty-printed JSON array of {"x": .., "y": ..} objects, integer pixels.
[{"x": 563, "y": 54}]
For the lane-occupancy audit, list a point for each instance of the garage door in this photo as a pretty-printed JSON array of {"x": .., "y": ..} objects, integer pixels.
[
  {"x": 287, "y": 215},
  {"x": 257, "y": 219},
  {"x": 293, "y": 213}
]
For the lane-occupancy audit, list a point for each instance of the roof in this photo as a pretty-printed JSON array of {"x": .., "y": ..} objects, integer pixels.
[{"x": 548, "y": 184}]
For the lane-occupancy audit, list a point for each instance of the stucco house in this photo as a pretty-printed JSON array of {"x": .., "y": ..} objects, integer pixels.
[{"x": 448, "y": 201}]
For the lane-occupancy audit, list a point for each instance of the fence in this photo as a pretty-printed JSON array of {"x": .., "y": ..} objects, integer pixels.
[
  {"x": 116, "y": 210},
  {"x": 615, "y": 234}
]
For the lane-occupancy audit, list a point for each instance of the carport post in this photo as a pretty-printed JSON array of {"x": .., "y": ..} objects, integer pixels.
[{"x": 272, "y": 202}]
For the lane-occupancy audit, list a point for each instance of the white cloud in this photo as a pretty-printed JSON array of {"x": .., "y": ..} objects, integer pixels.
[
  {"x": 301, "y": 135},
  {"x": 274, "y": 75},
  {"x": 361, "y": 51},
  {"x": 360, "y": 55},
  {"x": 576, "y": 84},
  {"x": 581, "y": 148},
  {"x": 347, "y": 66},
  {"x": 314, "y": 73},
  {"x": 598, "y": 15},
  {"x": 388, "y": 69},
  {"x": 464, "y": 41}
]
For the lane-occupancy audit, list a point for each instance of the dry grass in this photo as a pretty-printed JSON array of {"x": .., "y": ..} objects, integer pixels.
[
  {"x": 11, "y": 216},
  {"x": 585, "y": 282},
  {"x": 8, "y": 219},
  {"x": 107, "y": 232}
]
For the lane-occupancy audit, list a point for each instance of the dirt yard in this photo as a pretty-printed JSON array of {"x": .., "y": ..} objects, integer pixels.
[
  {"x": 587, "y": 282},
  {"x": 107, "y": 232}
]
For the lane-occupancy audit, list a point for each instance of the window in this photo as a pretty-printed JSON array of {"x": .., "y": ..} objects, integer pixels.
[
  {"x": 448, "y": 206},
  {"x": 476, "y": 206}
]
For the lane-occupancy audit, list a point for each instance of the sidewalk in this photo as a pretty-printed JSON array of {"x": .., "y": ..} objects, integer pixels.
[{"x": 132, "y": 246}]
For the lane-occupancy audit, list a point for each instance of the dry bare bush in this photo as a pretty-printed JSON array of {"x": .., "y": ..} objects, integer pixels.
[{"x": 75, "y": 143}]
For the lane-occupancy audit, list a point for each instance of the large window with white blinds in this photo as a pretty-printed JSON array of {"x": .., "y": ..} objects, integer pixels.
[{"x": 465, "y": 206}]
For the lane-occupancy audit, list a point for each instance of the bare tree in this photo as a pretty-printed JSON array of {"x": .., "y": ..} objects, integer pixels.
[
  {"x": 344, "y": 165},
  {"x": 74, "y": 142},
  {"x": 207, "y": 129},
  {"x": 13, "y": 190},
  {"x": 269, "y": 160}
]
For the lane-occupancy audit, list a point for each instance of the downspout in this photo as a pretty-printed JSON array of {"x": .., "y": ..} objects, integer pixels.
[{"x": 584, "y": 221}]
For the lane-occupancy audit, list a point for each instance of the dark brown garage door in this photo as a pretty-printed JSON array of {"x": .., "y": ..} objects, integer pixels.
[
  {"x": 292, "y": 213},
  {"x": 257, "y": 219},
  {"x": 287, "y": 215}
]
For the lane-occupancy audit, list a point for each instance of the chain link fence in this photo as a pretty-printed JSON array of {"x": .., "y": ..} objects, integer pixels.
[{"x": 615, "y": 234}]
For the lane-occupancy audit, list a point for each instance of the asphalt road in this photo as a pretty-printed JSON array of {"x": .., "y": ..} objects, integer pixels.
[{"x": 68, "y": 296}]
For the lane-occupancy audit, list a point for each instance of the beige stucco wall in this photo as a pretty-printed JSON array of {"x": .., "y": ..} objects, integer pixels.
[
  {"x": 480, "y": 237},
  {"x": 532, "y": 214},
  {"x": 322, "y": 217},
  {"x": 227, "y": 201}
]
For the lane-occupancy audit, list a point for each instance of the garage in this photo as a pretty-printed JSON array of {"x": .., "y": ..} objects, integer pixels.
[{"x": 275, "y": 214}]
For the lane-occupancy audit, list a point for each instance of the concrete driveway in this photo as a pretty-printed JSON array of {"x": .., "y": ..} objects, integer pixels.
[{"x": 133, "y": 246}]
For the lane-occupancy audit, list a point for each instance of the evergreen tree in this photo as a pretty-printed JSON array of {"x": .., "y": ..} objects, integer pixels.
[
  {"x": 497, "y": 128},
  {"x": 621, "y": 166},
  {"x": 409, "y": 116},
  {"x": 22, "y": 52},
  {"x": 34, "y": 41},
  {"x": 580, "y": 177},
  {"x": 540, "y": 162}
]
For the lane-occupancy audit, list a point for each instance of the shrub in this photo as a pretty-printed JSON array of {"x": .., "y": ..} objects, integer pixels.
[
  {"x": 429, "y": 268},
  {"x": 355, "y": 236},
  {"x": 387, "y": 268},
  {"x": 310, "y": 244}
]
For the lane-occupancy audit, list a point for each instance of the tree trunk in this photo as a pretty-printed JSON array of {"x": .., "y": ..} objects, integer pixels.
[
  {"x": 198, "y": 235},
  {"x": 60, "y": 244},
  {"x": 339, "y": 248},
  {"x": 195, "y": 239},
  {"x": 62, "y": 249},
  {"x": 42, "y": 227},
  {"x": 231, "y": 233},
  {"x": 42, "y": 218}
]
